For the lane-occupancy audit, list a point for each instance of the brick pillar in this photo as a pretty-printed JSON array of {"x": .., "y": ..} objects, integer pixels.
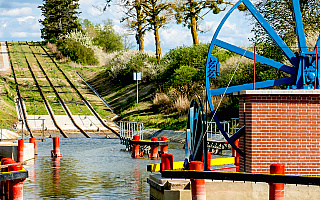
[{"x": 282, "y": 126}]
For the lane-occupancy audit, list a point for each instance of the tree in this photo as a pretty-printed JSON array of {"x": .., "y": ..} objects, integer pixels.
[
  {"x": 136, "y": 20},
  {"x": 107, "y": 38},
  {"x": 188, "y": 13},
  {"x": 282, "y": 20},
  {"x": 60, "y": 18},
  {"x": 158, "y": 14}
]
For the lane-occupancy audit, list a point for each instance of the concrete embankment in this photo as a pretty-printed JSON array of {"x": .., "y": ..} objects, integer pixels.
[
  {"x": 173, "y": 136},
  {"x": 7, "y": 134}
]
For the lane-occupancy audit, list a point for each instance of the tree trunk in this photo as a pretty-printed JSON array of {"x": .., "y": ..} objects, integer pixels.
[
  {"x": 194, "y": 32},
  {"x": 193, "y": 25},
  {"x": 140, "y": 34},
  {"x": 157, "y": 41},
  {"x": 140, "y": 39}
]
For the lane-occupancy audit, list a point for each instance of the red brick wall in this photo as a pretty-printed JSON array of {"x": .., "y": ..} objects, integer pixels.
[{"x": 282, "y": 129}]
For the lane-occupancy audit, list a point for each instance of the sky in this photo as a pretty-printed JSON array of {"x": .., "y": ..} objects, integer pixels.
[{"x": 19, "y": 21}]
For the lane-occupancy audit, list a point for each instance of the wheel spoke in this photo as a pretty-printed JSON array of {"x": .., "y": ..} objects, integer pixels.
[
  {"x": 249, "y": 86},
  {"x": 259, "y": 58},
  {"x": 299, "y": 26},
  {"x": 272, "y": 33}
]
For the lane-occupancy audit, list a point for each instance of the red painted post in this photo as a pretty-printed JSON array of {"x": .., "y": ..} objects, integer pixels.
[
  {"x": 135, "y": 147},
  {"x": 254, "y": 69},
  {"x": 166, "y": 162},
  {"x": 56, "y": 147},
  {"x": 163, "y": 148},
  {"x": 33, "y": 141},
  {"x": 235, "y": 154},
  {"x": 276, "y": 190},
  {"x": 154, "y": 149},
  {"x": 20, "y": 151},
  {"x": 209, "y": 160},
  {"x": 316, "y": 68},
  {"x": 16, "y": 185},
  {"x": 198, "y": 187}
]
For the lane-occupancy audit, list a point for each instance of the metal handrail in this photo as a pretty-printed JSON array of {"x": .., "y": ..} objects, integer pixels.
[{"x": 128, "y": 129}]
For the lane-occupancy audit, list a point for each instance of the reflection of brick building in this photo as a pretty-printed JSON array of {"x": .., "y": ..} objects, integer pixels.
[{"x": 282, "y": 126}]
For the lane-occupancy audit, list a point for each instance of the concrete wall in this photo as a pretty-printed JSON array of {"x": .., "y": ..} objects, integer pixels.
[
  {"x": 282, "y": 126},
  {"x": 226, "y": 190},
  {"x": 10, "y": 150}
]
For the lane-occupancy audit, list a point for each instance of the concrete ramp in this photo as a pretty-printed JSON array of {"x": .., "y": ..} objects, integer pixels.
[
  {"x": 88, "y": 123},
  {"x": 4, "y": 58}
]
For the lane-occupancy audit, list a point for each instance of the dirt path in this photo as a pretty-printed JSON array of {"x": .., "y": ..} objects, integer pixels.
[{"x": 4, "y": 58}]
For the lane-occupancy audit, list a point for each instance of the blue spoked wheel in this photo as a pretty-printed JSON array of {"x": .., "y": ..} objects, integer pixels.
[
  {"x": 196, "y": 139},
  {"x": 302, "y": 68}
]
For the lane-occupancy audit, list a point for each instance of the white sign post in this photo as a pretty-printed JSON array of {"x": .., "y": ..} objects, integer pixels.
[{"x": 137, "y": 77}]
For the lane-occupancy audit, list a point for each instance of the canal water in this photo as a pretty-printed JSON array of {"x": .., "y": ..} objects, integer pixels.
[{"x": 89, "y": 169}]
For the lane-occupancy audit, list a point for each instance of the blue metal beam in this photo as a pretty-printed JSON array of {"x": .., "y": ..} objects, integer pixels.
[
  {"x": 272, "y": 33},
  {"x": 259, "y": 58},
  {"x": 299, "y": 26},
  {"x": 249, "y": 86},
  {"x": 219, "y": 29}
]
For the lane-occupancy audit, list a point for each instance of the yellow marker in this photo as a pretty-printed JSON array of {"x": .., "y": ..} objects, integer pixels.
[{"x": 180, "y": 164}]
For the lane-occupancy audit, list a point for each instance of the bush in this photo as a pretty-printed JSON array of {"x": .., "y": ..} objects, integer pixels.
[
  {"x": 182, "y": 105},
  {"x": 107, "y": 38},
  {"x": 77, "y": 52},
  {"x": 183, "y": 78},
  {"x": 123, "y": 65}
]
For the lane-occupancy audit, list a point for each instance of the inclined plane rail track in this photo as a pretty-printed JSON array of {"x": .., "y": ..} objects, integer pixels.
[
  {"x": 44, "y": 99},
  {"x": 58, "y": 96},
  {"x": 80, "y": 95},
  {"x": 23, "y": 111}
]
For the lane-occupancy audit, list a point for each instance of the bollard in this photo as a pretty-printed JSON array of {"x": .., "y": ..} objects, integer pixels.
[
  {"x": 5, "y": 184},
  {"x": 154, "y": 149},
  {"x": 33, "y": 141},
  {"x": 163, "y": 148},
  {"x": 20, "y": 151},
  {"x": 135, "y": 147},
  {"x": 56, "y": 147},
  {"x": 166, "y": 162},
  {"x": 198, "y": 187},
  {"x": 16, "y": 185},
  {"x": 209, "y": 160},
  {"x": 276, "y": 190},
  {"x": 235, "y": 154}
]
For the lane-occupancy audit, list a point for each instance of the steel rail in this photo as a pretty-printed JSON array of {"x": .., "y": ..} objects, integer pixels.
[
  {"x": 45, "y": 100},
  {"x": 66, "y": 109},
  {"x": 24, "y": 113},
  {"x": 81, "y": 96}
]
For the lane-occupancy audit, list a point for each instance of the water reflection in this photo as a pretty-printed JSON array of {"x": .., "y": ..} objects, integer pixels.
[{"x": 89, "y": 169}]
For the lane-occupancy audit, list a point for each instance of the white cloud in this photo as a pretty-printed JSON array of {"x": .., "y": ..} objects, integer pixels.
[
  {"x": 16, "y": 12},
  {"x": 24, "y": 34},
  {"x": 175, "y": 36},
  {"x": 25, "y": 19}
]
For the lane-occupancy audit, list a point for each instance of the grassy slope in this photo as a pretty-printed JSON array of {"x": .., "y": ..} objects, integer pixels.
[{"x": 121, "y": 98}]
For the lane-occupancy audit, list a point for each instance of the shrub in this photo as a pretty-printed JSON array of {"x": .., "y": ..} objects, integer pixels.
[
  {"x": 81, "y": 37},
  {"x": 183, "y": 78},
  {"x": 107, "y": 38},
  {"x": 161, "y": 99},
  {"x": 77, "y": 52},
  {"x": 182, "y": 105},
  {"x": 123, "y": 65}
]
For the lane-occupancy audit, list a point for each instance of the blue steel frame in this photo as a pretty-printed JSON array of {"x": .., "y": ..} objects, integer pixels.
[{"x": 302, "y": 70}]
